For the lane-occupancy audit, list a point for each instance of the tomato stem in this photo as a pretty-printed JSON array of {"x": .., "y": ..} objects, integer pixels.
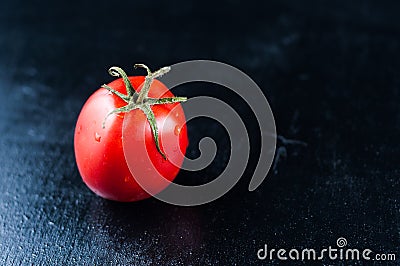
[
  {"x": 141, "y": 100},
  {"x": 149, "y": 79},
  {"x": 118, "y": 72}
]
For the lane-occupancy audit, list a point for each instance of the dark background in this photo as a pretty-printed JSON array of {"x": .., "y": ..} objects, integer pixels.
[{"x": 330, "y": 70}]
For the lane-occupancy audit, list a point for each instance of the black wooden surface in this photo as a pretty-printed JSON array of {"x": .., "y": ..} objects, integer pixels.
[{"x": 330, "y": 70}]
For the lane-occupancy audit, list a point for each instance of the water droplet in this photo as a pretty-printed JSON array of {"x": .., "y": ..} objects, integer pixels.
[
  {"x": 126, "y": 179},
  {"x": 97, "y": 137},
  {"x": 79, "y": 129},
  {"x": 177, "y": 130}
]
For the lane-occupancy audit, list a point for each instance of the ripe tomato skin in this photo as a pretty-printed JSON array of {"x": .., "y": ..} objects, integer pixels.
[{"x": 99, "y": 151}]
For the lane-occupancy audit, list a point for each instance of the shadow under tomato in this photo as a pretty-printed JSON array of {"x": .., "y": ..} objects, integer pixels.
[{"x": 161, "y": 231}]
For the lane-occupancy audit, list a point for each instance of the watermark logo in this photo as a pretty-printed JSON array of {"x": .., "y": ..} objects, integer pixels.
[
  {"x": 240, "y": 83},
  {"x": 341, "y": 242},
  {"x": 338, "y": 252}
]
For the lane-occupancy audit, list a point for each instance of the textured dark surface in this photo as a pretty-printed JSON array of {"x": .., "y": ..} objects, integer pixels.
[{"x": 330, "y": 70}]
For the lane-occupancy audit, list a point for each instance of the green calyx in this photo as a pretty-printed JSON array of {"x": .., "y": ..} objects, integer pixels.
[{"x": 141, "y": 100}]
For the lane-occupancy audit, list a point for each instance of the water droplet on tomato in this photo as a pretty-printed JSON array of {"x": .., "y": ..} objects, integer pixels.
[
  {"x": 97, "y": 137},
  {"x": 126, "y": 179},
  {"x": 79, "y": 129},
  {"x": 177, "y": 130}
]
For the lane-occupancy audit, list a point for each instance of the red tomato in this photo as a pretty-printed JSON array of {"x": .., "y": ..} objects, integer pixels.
[{"x": 99, "y": 151}]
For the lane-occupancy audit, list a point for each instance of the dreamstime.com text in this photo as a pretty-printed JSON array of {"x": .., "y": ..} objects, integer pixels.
[{"x": 338, "y": 252}]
